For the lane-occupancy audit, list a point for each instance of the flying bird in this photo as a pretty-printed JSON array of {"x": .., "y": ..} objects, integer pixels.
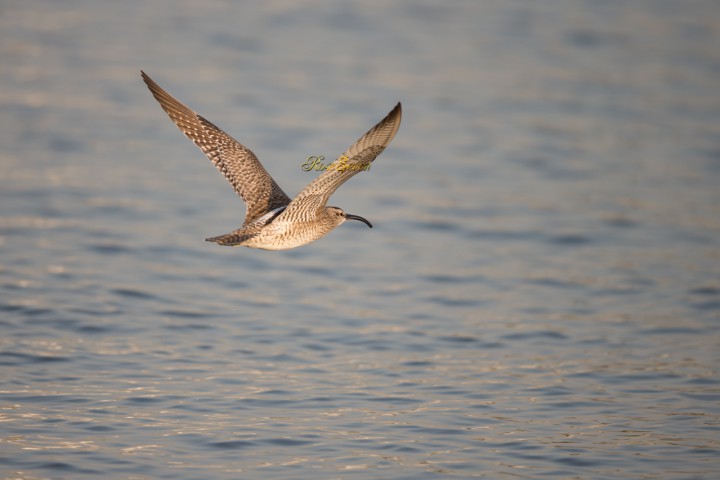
[{"x": 273, "y": 221}]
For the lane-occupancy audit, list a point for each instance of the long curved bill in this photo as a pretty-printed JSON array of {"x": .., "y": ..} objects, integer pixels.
[{"x": 358, "y": 217}]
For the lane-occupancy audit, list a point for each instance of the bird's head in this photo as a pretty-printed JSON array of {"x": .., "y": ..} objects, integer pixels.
[{"x": 338, "y": 216}]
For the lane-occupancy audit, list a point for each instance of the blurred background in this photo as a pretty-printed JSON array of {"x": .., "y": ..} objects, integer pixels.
[{"x": 540, "y": 296}]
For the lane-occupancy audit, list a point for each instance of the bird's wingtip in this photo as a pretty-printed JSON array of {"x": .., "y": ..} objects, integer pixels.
[{"x": 397, "y": 111}]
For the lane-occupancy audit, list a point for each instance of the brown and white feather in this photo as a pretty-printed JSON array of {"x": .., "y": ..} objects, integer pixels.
[
  {"x": 313, "y": 198},
  {"x": 234, "y": 160}
]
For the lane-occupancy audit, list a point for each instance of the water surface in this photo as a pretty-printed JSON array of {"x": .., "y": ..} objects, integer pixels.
[{"x": 539, "y": 298}]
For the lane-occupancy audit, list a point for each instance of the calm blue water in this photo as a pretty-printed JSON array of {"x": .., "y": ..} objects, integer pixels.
[{"x": 539, "y": 298}]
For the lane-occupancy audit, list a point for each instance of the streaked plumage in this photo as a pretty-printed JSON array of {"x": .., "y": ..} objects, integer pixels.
[{"x": 272, "y": 220}]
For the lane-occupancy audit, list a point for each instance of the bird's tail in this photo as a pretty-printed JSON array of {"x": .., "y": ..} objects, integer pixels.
[{"x": 231, "y": 239}]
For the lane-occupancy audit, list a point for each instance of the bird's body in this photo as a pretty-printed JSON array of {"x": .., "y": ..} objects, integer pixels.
[
  {"x": 270, "y": 232},
  {"x": 273, "y": 221}
]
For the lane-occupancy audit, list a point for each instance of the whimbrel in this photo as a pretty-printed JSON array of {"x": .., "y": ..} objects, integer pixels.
[{"x": 272, "y": 220}]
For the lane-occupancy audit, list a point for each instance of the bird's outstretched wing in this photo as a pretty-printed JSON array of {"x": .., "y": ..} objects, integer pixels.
[
  {"x": 357, "y": 158},
  {"x": 235, "y": 161}
]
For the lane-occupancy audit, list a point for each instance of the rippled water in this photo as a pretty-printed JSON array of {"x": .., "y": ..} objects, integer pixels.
[{"x": 539, "y": 298}]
